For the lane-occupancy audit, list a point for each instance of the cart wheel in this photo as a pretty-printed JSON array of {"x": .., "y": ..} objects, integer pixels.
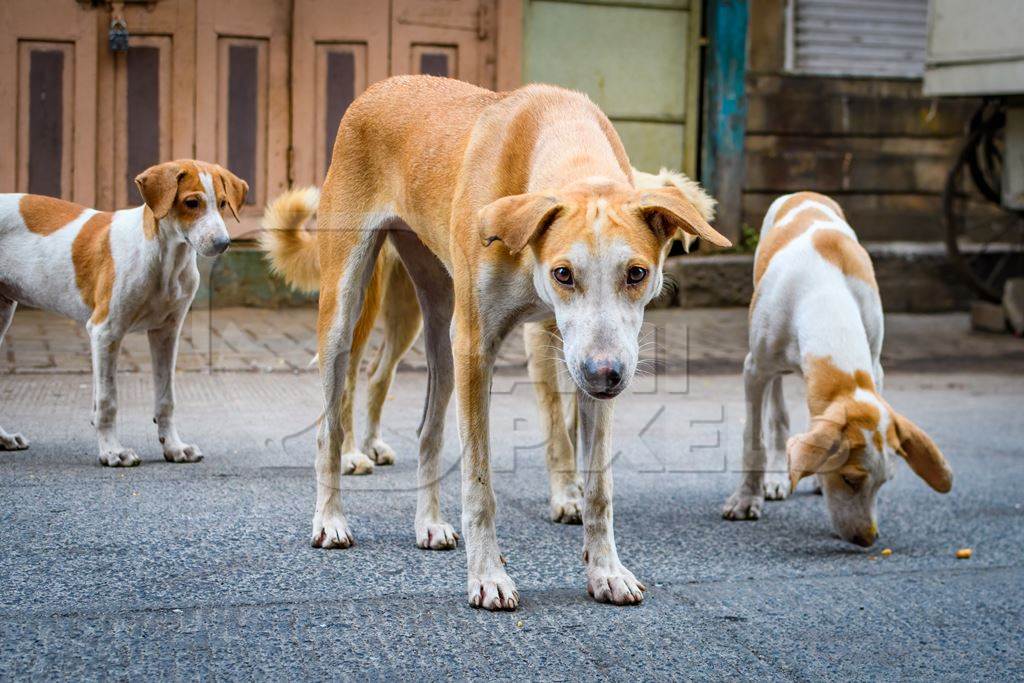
[{"x": 985, "y": 243}]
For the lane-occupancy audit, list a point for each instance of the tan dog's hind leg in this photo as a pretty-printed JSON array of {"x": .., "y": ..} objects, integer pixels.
[
  {"x": 435, "y": 296},
  {"x": 607, "y": 579},
  {"x": 402, "y": 323},
  {"x": 354, "y": 461},
  {"x": 8, "y": 441},
  {"x": 776, "y": 477},
  {"x": 349, "y": 239},
  {"x": 543, "y": 354},
  {"x": 748, "y": 498}
]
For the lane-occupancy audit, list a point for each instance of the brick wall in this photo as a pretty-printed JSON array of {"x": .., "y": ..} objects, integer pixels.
[{"x": 877, "y": 145}]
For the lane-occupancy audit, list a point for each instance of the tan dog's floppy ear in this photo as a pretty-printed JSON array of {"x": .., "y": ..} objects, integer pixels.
[
  {"x": 158, "y": 186},
  {"x": 516, "y": 220},
  {"x": 666, "y": 210},
  {"x": 820, "y": 449},
  {"x": 235, "y": 188},
  {"x": 923, "y": 456}
]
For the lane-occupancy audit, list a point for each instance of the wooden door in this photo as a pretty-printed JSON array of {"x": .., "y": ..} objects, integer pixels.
[
  {"x": 47, "y": 87},
  {"x": 338, "y": 48},
  {"x": 241, "y": 86},
  {"x": 146, "y": 97},
  {"x": 453, "y": 38}
]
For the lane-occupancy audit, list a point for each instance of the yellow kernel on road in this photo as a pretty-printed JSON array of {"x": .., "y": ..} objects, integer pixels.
[
  {"x": 964, "y": 554},
  {"x": 519, "y": 624},
  {"x": 887, "y": 552}
]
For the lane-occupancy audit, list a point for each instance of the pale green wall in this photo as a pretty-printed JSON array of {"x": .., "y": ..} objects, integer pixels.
[{"x": 630, "y": 57}]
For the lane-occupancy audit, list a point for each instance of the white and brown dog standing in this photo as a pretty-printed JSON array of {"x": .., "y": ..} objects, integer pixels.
[
  {"x": 390, "y": 294},
  {"x": 119, "y": 272},
  {"x": 443, "y": 170},
  {"x": 816, "y": 311}
]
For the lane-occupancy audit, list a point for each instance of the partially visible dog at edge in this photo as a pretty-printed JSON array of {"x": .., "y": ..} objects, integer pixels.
[
  {"x": 816, "y": 310},
  {"x": 292, "y": 253},
  {"x": 503, "y": 207},
  {"x": 120, "y": 272}
]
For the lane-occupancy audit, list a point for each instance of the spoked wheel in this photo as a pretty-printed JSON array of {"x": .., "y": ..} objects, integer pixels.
[{"x": 985, "y": 242}]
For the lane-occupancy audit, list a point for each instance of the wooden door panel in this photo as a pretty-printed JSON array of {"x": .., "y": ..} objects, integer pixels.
[
  {"x": 145, "y": 96},
  {"x": 453, "y": 38},
  {"x": 339, "y": 47},
  {"x": 48, "y": 121},
  {"x": 242, "y": 118}
]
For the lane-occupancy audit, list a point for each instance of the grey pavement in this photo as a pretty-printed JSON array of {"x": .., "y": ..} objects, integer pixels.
[{"x": 205, "y": 571}]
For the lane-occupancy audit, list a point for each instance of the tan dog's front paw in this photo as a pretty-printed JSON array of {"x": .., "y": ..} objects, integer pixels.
[
  {"x": 615, "y": 585},
  {"x": 331, "y": 532},
  {"x": 380, "y": 452},
  {"x": 12, "y": 442},
  {"x": 741, "y": 505},
  {"x": 776, "y": 486},
  {"x": 567, "y": 506},
  {"x": 495, "y": 591},
  {"x": 182, "y": 453},
  {"x": 436, "y": 536},
  {"x": 356, "y": 463},
  {"x": 119, "y": 457}
]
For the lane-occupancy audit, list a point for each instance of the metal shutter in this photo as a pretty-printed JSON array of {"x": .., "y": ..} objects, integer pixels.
[{"x": 857, "y": 37}]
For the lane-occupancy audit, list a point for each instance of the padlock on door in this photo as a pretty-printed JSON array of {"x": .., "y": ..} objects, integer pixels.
[{"x": 118, "y": 35}]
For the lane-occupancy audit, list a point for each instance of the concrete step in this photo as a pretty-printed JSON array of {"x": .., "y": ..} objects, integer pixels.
[{"x": 914, "y": 277}]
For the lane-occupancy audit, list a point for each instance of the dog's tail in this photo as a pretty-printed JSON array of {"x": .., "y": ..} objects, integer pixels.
[
  {"x": 691, "y": 189},
  {"x": 290, "y": 248}
]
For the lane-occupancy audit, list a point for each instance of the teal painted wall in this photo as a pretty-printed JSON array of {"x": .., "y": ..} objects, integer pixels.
[{"x": 634, "y": 59}]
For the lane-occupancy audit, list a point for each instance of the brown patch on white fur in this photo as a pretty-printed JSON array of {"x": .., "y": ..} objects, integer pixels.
[
  {"x": 46, "y": 215},
  {"x": 94, "y": 265},
  {"x": 846, "y": 255},
  {"x": 839, "y": 425},
  {"x": 168, "y": 185}
]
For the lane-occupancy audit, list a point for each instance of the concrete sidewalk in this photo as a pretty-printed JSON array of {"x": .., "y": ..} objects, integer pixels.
[{"x": 693, "y": 341}]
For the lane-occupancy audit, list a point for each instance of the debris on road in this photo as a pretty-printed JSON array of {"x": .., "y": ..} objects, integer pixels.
[{"x": 964, "y": 554}]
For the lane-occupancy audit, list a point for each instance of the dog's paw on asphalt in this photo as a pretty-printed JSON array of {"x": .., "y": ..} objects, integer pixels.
[
  {"x": 119, "y": 457},
  {"x": 332, "y": 532},
  {"x": 615, "y": 585},
  {"x": 436, "y": 536},
  {"x": 495, "y": 591},
  {"x": 741, "y": 506},
  {"x": 356, "y": 463},
  {"x": 182, "y": 453},
  {"x": 380, "y": 452},
  {"x": 567, "y": 506},
  {"x": 13, "y": 442},
  {"x": 776, "y": 486}
]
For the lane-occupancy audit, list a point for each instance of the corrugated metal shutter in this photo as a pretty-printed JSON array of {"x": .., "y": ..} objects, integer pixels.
[{"x": 858, "y": 37}]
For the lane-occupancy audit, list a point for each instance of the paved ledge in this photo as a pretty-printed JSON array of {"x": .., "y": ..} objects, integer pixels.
[
  {"x": 701, "y": 341},
  {"x": 914, "y": 277}
]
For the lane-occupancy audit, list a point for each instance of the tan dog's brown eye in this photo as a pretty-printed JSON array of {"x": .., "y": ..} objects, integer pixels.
[
  {"x": 223, "y": 203},
  {"x": 636, "y": 275},
  {"x": 562, "y": 275},
  {"x": 853, "y": 482},
  {"x": 192, "y": 203}
]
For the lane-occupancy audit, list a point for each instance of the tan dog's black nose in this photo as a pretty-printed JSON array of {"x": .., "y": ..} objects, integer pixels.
[{"x": 603, "y": 376}]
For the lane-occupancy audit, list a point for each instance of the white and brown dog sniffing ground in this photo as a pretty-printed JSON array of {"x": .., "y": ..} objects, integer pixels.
[
  {"x": 816, "y": 310},
  {"x": 503, "y": 207},
  {"x": 390, "y": 295},
  {"x": 119, "y": 272}
]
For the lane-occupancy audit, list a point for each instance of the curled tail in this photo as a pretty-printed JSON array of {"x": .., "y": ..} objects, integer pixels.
[{"x": 290, "y": 248}]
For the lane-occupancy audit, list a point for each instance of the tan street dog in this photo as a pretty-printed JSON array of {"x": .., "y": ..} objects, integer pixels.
[
  {"x": 291, "y": 251},
  {"x": 119, "y": 272},
  {"x": 444, "y": 170},
  {"x": 816, "y": 311}
]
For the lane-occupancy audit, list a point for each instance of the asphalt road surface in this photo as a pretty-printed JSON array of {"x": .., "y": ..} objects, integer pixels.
[{"x": 181, "y": 571}]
